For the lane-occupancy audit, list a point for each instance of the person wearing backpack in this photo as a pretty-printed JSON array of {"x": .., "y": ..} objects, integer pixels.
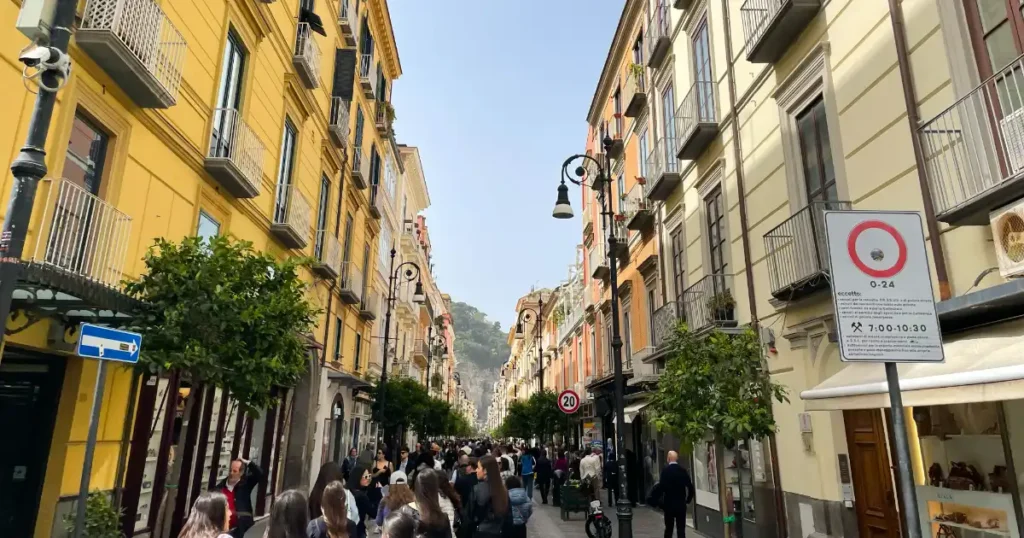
[{"x": 520, "y": 508}]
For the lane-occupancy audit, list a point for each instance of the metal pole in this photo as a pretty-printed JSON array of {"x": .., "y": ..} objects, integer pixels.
[
  {"x": 904, "y": 474},
  {"x": 29, "y": 167},
  {"x": 384, "y": 363},
  {"x": 90, "y": 448},
  {"x": 430, "y": 353},
  {"x": 540, "y": 351},
  {"x": 623, "y": 509}
]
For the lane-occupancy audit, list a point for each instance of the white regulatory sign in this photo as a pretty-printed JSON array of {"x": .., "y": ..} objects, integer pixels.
[{"x": 881, "y": 287}]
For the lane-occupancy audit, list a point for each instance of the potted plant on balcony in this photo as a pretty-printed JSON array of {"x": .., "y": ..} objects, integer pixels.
[
  {"x": 641, "y": 180},
  {"x": 637, "y": 70},
  {"x": 619, "y": 217},
  {"x": 389, "y": 112},
  {"x": 721, "y": 305}
]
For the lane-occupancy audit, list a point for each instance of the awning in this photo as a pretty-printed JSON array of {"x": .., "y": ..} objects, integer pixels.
[
  {"x": 982, "y": 367},
  {"x": 631, "y": 411}
]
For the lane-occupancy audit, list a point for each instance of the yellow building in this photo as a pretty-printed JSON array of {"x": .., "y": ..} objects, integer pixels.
[{"x": 230, "y": 117}]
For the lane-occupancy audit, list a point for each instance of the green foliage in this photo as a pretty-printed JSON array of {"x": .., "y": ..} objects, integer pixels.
[
  {"x": 224, "y": 314},
  {"x": 480, "y": 341},
  {"x": 407, "y": 405},
  {"x": 102, "y": 519},
  {"x": 538, "y": 416},
  {"x": 717, "y": 384}
]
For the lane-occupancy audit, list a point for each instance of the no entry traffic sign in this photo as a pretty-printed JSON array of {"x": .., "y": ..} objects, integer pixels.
[
  {"x": 882, "y": 287},
  {"x": 568, "y": 401}
]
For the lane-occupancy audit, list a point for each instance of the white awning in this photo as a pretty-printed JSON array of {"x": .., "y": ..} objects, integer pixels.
[
  {"x": 983, "y": 367},
  {"x": 631, "y": 411}
]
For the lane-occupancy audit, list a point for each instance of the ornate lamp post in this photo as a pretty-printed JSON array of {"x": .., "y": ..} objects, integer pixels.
[
  {"x": 524, "y": 315},
  {"x": 563, "y": 210},
  {"x": 396, "y": 276}
]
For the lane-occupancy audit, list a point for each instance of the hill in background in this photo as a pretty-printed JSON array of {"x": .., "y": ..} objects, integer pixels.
[{"x": 481, "y": 347}]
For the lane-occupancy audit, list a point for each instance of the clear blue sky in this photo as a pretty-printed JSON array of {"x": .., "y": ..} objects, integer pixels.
[{"x": 495, "y": 94}]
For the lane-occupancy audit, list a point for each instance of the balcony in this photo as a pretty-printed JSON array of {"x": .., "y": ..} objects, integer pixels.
[
  {"x": 327, "y": 253},
  {"x": 367, "y": 76},
  {"x": 369, "y": 306},
  {"x": 593, "y": 172},
  {"x": 710, "y": 304},
  {"x": 662, "y": 170},
  {"x": 136, "y": 45},
  {"x": 404, "y": 304},
  {"x": 360, "y": 167},
  {"x": 82, "y": 235},
  {"x": 696, "y": 120},
  {"x": 235, "y": 159},
  {"x": 420, "y": 351},
  {"x": 616, "y": 149},
  {"x": 621, "y": 237},
  {"x": 338, "y": 126},
  {"x": 306, "y": 57},
  {"x": 292, "y": 217},
  {"x": 385, "y": 116},
  {"x": 974, "y": 150},
  {"x": 771, "y": 26},
  {"x": 350, "y": 286},
  {"x": 635, "y": 91},
  {"x": 797, "y": 253},
  {"x": 347, "y": 20},
  {"x": 409, "y": 240},
  {"x": 638, "y": 209},
  {"x": 375, "y": 202},
  {"x": 666, "y": 319},
  {"x": 659, "y": 37},
  {"x": 598, "y": 261}
]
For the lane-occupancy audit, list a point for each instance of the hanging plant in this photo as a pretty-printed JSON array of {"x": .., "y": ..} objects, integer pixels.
[{"x": 637, "y": 70}]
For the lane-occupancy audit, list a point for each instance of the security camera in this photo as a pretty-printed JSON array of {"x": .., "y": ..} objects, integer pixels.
[
  {"x": 43, "y": 59},
  {"x": 39, "y": 55}
]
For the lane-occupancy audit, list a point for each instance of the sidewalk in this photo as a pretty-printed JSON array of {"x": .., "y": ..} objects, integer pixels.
[{"x": 547, "y": 522}]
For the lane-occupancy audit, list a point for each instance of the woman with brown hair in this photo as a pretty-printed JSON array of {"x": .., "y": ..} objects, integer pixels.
[
  {"x": 209, "y": 518},
  {"x": 488, "y": 505},
  {"x": 399, "y": 495},
  {"x": 336, "y": 523},
  {"x": 433, "y": 523}
]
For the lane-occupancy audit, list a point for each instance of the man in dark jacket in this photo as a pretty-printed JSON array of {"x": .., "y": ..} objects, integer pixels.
[
  {"x": 243, "y": 477},
  {"x": 349, "y": 463},
  {"x": 544, "y": 475},
  {"x": 675, "y": 491},
  {"x": 464, "y": 484}
]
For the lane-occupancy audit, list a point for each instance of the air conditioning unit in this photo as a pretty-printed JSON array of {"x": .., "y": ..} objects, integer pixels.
[{"x": 1008, "y": 235}]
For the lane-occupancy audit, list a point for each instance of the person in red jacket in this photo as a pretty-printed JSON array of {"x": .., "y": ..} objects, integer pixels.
[{"x": 243, "y": 477}]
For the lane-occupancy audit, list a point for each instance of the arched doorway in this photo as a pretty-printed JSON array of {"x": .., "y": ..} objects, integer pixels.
[{"x": 337, "y": 427}]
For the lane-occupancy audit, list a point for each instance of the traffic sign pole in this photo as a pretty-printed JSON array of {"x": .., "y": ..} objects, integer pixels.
[
  {"x": 908, "y": 495},
  {"x": 90, "y": 448}
]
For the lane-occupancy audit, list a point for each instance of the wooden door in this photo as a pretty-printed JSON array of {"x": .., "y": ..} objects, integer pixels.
[{"x": 872, "y": 476}]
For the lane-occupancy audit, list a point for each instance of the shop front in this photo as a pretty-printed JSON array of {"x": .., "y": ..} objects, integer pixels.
[{"x": 966, "y": 430}]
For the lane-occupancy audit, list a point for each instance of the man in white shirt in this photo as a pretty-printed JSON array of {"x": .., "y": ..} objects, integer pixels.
[{"x": 591, "y": 468}]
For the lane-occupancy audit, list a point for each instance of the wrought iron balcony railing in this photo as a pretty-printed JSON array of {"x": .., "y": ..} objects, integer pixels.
[
  {"x": 666, "y": 319},
  {"x": 292, "y": 216},
  {"x": 347, "y": 20},
  {"x": 327, "y": 252},
  {"x": 376, "y": 200},
  {"x": 662, "y": 169},
  {"x": 658, "y": 36},
  {"x": 710, "y": 303},
  {"x": 974, "y": 150},
  {"x": 236, "y": 154},
  {"x": 367, "y": 75},
  {"x": 369, "y": 307},
  {"x": 135, "y": 43},
  {"x": 696, "y": 120},
  {"x": 638, "y": 209},
  {"x": 796, "y": 252},
  {"x": 360, "y": 168},
  {"x": 385, "y": 113},
  {"x": 82, "y": 234},
  {"x": 306, "y": 57},
  {"x": 635, "y": 91},
  {"x": 771, "y": 26},
  {"x": 339, "y": 121},
  {"x": 598, "y": 261},
  {"x": 350, "y": 285}
]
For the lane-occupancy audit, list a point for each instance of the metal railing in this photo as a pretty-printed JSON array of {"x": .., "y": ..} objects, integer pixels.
[
  {"x": 351, "y": 279},
  {"x": 376, "y": 199},
  {"x": 568, "y": 325},
  {"x": 665, "y": 321},
  {"x": 420, "y": 348},
  {"x": 327, "y": 251},
  {"x": 978, "y": 142},
  {"x": 360, "y": 164},
  {"x": 796, "y": 249},
  {"x": 757, "y": 16},
  {"x": 384, "y": 114},
  {"x": 597, "y": 255},
  {"x": 635, "y": 201},
  {"x": 366, "y": 73},
  {"x": 82, "y": 234},
  {"x": 657, "y": 26},
  {"x": 144, "y": 30},
  {"x": 709, "y": 302},
  {"x": 592, "y": 170},
  {"x": 370, "y": 302},
  {"x": 340, "y": 118},
  {"x": 698, "y": 106},
  {"x": 234, "y": 140},
  {"x": 308, "y": 52},
  {"x": 346, "y": 14},
  {"x": 635, "y": 82},
  {"x": 292, "y": 209},
  {"x": 660, "y": 160}
]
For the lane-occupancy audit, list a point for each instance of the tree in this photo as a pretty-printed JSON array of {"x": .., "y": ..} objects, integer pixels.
[
  {"x": 403, "y": 398},
  {"x": 547, "y": 419},
  {"x": 518, "y": 421},
  {"x": 225, "y": 316}
]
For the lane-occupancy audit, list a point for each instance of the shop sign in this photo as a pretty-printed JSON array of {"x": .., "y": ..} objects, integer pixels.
[{"x": 882, "y": 287}]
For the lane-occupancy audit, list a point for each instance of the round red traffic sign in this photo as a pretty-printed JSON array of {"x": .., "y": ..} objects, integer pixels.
[
  {"x": 877, "y": 254},
  {"x": 568, "y": 401}
]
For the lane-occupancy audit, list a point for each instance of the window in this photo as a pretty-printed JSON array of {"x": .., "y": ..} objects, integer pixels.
[
  {"x": 643, "y": 153},
  {"x": 607, "y": 330},
  {"x": 816, "y": 153},
  {"x": 638, "y": 49},
  {"x": 359, "y": 352},
  {"x": 382, "y": 86},
  {"x": 621, "y": 185},
  {"x": 347, "y": 246},
  {"x": 593, "y": 350},
  {"x": 996, "y": 28},
  {"x": 366, "y": 45},
  {"x": 716, "y": 235},
  {"x": 702, "y": 72},
  {"x": 72, "y": 221},
  {"x": 360, "y": 120},
  {"x": 86, "y": 155},
  {"x": 374, "y": 168},
  {"x": 617, "y": 101},
  {"x": 678, "y": 262},
  {"x": 669, "y": 126},
  {"x": 626, "y": 336},
  {"x": 207, "y": 226},
  {"x": 284, "y": 172},
  {"x": 366, "y": 276},
  {"x": 321, "y": 216},
  {"x": 229, "y": 96},
  {"x": 578, "y": 371},
  {"x": 384, "y": 250},
  {"x": 339, "y": 332},
  {"x": 651, "y": 308}
]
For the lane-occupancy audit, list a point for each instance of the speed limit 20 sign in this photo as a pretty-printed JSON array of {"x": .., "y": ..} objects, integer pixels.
[
  {"x": 881, "y": 287},
  {"x": 568, "y": 401}
]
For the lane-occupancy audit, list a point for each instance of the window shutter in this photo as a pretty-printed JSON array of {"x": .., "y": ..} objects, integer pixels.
[{"x": 344, "y": 73}]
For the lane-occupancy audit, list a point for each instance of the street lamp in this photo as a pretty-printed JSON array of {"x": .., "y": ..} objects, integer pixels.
[
  {"x": 395, "y": 277},
  {"x": 434, "y": 343},
  {"x": 563, "y": 210},
  {"x": 524, "y": 315}
]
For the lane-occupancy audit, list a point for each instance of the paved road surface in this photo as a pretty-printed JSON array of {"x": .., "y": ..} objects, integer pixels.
[{"x": 547, "y": 522}]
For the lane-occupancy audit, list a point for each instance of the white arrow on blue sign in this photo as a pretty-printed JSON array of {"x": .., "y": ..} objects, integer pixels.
[{"x": 97, "y": 342}]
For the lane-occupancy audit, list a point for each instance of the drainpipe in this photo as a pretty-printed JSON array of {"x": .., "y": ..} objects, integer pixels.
[
  {"x": 914, "y": 120},
  {"x": 782, "y": 527}
]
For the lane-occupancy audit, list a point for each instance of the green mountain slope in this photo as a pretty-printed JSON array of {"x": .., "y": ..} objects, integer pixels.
[{"x": 481, "y": 347}]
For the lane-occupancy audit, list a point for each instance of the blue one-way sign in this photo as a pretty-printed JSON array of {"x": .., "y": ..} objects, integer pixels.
[{"x": 104, "y": 343}]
